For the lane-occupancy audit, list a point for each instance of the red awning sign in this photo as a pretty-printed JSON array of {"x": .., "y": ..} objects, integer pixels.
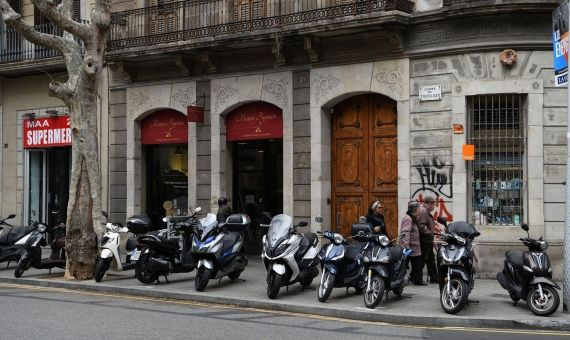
[
  {"x": 164, "y": 127},
  {"x": 254, "y": 121},
  {"x": 47, "y": 132}
]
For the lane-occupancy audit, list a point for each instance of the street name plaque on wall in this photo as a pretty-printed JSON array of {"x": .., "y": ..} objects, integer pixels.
[{"x": 429, "y": 93}]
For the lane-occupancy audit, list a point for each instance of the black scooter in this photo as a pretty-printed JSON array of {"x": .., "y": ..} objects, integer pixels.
[
  {"x": 162, "y": 256},
  {"x": 528, "y": 276},
  {"x": 455, "y": 265},
  {"x": 12, "y": 239},
  {"x": 32, "y": 252}
]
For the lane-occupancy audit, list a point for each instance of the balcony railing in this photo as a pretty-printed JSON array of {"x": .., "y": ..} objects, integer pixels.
[
  {"x": 193, "y": 19},
  {"x": 14, "y": 48}
]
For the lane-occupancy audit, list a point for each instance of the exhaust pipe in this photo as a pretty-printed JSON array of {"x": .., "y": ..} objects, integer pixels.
[{"x": 159, "y": 266}]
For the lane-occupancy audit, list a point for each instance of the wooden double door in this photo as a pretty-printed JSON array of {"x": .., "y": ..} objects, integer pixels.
[{"x": 364, "y": 161}]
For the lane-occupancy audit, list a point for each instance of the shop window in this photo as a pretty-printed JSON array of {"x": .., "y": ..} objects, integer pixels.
[{"x": 496, "y": 126}]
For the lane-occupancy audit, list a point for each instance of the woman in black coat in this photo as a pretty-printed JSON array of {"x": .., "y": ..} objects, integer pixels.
[{"x": 376, "y": 219}]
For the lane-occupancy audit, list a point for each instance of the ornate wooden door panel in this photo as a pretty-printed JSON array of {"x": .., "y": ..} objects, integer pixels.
[
  {"x": 349, "y": 209},
  {"x": 364, "y": 160}
]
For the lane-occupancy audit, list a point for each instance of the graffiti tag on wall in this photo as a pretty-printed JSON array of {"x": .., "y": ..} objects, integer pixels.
[{"x": 437, "y": 180}]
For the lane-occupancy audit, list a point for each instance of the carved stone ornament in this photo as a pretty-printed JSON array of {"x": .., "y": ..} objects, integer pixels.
[
  {"x": 138, "y": 100},
  {"x": 323, "y": 84},
  {"x": 277, "y": 88},
  {"x": 508, "y": 57},
  {"x": 394, "y": 79},
  {"x": 183, "y": 96},
  {"x": 223, "y": 93}
]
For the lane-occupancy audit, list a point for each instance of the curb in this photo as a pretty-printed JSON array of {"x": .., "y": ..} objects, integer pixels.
[{"x": 329, "y": 310}]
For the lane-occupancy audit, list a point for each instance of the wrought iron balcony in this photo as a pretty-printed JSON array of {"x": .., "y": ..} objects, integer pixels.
[
  {"x": 14, "y": 48},
  {"x": 193, "y": 19}
]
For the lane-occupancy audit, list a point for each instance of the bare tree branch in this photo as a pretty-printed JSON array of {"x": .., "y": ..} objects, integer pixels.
[
  {"x": 15, "y": 20},
  {"x": 61, "y": 16}
]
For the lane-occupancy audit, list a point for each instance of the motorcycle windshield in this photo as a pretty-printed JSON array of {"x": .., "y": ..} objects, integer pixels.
[
  {"x": 279, "y": 228},
  {"x": 207, "y": 224}
]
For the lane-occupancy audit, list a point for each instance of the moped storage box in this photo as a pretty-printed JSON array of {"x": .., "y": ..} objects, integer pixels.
[
  {"x": 360, "y": 227},
  {"x": 139, "y": 224},
  {"x": 238, "y": 222}
]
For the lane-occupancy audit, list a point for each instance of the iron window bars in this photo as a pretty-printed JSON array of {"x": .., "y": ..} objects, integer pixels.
[{"x": 496, "y": 126}]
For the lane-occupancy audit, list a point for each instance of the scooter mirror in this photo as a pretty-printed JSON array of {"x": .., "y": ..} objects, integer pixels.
[
  {"x": 104, "y": 213},
  {"x": 319, "y": 219},
  {"x": 302, "y": 224},
  {"x": 197, "y": 210},
  {"x": 165, "y": 219},
  {"x": 524, "y": 227},
  {"x": 442, "y": 220},
  {"x": 11, "y": 216}
]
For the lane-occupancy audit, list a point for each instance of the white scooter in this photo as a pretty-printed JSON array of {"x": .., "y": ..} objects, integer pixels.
[
  {"x": 110, "y": 257},
  {"x": 289, "y": 256}
]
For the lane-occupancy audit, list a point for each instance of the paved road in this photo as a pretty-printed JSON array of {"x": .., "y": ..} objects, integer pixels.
[{"x": 51, "y": 313}]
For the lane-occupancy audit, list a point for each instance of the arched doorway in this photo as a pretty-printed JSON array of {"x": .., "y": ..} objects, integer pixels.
[
  {"x": 254, "y": 133},
  {"x": 364, "y": 160},
  {"x": 164, "y": 137}
]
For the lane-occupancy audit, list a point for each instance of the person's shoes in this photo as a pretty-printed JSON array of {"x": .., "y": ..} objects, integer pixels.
[
  {"x": 433, "y": 280},
  {"x": 420, "y": 283}
]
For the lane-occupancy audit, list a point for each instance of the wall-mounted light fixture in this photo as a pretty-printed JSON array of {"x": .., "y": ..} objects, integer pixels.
[
  {"x": 29, "y": 115},
  {"x": 52, "y": 112}
]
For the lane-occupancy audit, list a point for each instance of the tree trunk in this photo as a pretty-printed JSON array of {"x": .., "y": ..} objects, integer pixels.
[{"x": 84, "y": 206}]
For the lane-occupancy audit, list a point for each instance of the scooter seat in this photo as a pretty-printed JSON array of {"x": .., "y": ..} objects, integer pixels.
[
  {"x": 170, "y": 243},
  {"x": 515, "y": 258},
  {"x": 353, "y": 250},
  {"x": 230, "y": 240},
  {"x": 396, "y": 253},
  {"x": 13, "y": 235}
]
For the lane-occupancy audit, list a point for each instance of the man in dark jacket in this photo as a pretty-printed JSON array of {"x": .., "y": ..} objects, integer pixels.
[
  {"x": 427, "y": 227},
  {"x": 376, "y": 219},
  {"x": 224, "y": 211}
]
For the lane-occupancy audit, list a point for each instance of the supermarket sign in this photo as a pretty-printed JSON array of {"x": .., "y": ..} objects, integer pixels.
[{"x": 47, "y": 132}]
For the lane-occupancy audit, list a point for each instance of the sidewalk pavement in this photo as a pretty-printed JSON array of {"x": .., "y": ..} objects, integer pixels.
[{"x": 489, "y": 307}]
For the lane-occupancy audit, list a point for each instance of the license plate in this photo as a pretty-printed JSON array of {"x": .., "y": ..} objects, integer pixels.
[{"x": 135, "y": 255}]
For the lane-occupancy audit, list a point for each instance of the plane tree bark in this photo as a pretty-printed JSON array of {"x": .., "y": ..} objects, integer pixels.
[{"x": 82, "y": 47}]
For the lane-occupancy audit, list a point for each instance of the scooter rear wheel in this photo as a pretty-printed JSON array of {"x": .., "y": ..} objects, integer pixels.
[
  {"x": 101, "y": 268},
  {"x": 326, "y": 286},
  {"x": 202, "y": 278},
  {"x": 274, "y": 285},
  {"x": 142, "y": 270},
  {"x": 546, "y": 305}
]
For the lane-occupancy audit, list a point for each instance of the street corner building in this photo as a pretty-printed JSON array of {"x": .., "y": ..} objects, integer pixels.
[{"x": 307, "y": 108}]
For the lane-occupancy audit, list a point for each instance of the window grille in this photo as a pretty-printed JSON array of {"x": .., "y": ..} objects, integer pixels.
[{"x": 496, "y": 126}]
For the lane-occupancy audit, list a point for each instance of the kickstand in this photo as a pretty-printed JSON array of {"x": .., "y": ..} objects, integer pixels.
[
  {"x": 387, "y": 294},
  {"x": 515, "y": 303},
  {"x": 220, "y": 281},
  {"x": 472, "y": 301},
  {"x": 347, "y": 290},
  {"x": 166, "y": 278},
  {"x": 287, "y": 289},
  {"x": 241, "y": 280},
  {"x": 158, "y": 280},
  {"x": 8, "y": 264},
  {"x": 49, "y": 273}
]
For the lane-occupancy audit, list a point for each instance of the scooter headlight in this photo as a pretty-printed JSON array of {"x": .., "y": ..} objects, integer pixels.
[
  {"x": 42, "y": 228},
  {"x": 460, "y": 240},
  {"x": 280, "y": 249},
  {"x": 543, "y": 245},
  {"x": 384, "y": 241},
  {"x": 385, "y": 259},
  {"x": 338, "y": 239}
]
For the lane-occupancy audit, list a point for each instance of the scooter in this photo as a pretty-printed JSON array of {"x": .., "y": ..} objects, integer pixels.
[
  {"x": 217, "y": 247},
  {"x": 342, "y": 265},
  {"x": 528, "y": 276},
  {"x": 289, "y": 256},
  {"x": 111, "y": 249},
  {"x": 455, "y": 265},
  {"x": 13, "y": 239},
  {"x": 385, "y": 266},
  {"x": 163, "y": 256},
  {"x": 32, "y": 250}
]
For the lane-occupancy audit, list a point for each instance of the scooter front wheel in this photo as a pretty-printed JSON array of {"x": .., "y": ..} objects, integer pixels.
[
  {"x": 545, "y": 305},
  {"x": 202, "y": 278},
  {"x": 101, "y": 268},
  {"x": 143, "y": 271},
  {"x": 22, "y": 266},
  {"x": 326, "y": 286},
  {"x": 453, "y": 295},
  {"x": 274, "y": 285},
  {"x": 373, "y": 294}
]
